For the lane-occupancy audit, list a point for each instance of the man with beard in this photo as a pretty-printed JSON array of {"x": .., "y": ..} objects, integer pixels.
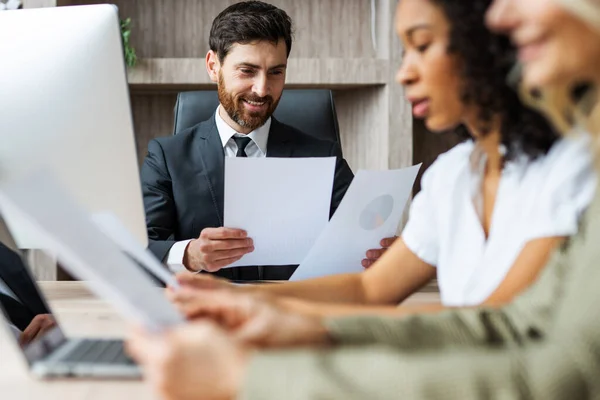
[{"x": 183, "y": 175}]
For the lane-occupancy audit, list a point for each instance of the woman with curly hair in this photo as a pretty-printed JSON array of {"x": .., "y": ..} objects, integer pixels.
[{"x": 491, "y": 210}]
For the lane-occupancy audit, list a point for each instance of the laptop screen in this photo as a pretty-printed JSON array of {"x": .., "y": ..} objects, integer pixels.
[{"x": 26, "y": 314}]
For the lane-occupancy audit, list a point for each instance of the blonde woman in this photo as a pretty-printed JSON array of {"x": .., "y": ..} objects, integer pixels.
[{"x": 544, "y": 345}]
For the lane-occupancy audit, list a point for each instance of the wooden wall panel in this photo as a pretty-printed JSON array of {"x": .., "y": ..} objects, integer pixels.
[
  {"x": 174, "y": 29},
  {"x": 152, "y": 117},
  {"x": 42, "y": 264},
  {"x": 401, "y": 129},
  {"x": 400, "y": 113},
  {"x": 363, "y": 130}
]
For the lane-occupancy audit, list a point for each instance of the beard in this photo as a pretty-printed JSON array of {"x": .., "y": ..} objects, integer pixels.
[{"x": 238, "y": 113}]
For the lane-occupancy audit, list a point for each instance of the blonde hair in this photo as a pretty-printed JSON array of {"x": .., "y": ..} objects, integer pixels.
[
  {"x": 558, "y": 102},
  {"x": 563, "y": 110}
]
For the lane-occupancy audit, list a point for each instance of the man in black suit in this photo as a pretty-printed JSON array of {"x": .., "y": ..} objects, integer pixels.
[
  {"x": 19, "y": 298},
  {"x": 183, "y": 175}
]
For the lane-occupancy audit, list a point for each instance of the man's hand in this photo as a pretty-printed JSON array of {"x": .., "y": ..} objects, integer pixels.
[
  {"x": 216, "y": 248},
  {"x": 253, "y": 319},
  {"x": 191, "y": 361},
  {"x": 374, "y": 254},
  {"x": 38, "y": 326}
]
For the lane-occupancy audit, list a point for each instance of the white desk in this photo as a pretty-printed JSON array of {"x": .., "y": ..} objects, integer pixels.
[{"x": 80, "y": 313}]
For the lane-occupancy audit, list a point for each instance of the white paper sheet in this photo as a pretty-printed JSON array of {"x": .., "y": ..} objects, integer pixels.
[
  {"x": 283, "y": 204},
  {"x": 370, "y": 211},
  {"x": 112, "y": 227},
  {"x": 86, "y": 252}
]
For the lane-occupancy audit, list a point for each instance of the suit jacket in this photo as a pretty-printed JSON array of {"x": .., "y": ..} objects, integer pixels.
[
  {"x": 544, "y": 345},
  {"x": 16, "y": 277},
  {"x": 183, "y": 185}
]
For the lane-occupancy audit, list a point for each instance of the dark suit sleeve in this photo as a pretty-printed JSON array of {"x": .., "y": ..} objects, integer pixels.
[
  {"x": 342, "y": 179},
  {"x": 158, "y": 201},
  {"x": 14, "y": 274}
]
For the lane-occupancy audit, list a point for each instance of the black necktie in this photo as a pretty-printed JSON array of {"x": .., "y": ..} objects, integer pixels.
[{"x": 241, "y": 143}]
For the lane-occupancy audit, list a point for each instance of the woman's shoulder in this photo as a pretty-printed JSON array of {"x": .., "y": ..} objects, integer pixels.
[
  {"x": 564, "y": 181},
  {"x": 571, "y": 153},
  {"x": 448, "y": 166},
  {"x": 577, "y": 142}
]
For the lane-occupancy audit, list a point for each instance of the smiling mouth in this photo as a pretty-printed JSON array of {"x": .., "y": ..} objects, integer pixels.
[
  {"x": 529, "y": 52},
  {"x": 255, "y": 103},
  {"x": 530, "y": 49}
]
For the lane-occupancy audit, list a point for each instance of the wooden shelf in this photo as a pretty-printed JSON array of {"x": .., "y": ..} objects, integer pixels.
[{"x": 190, "y": 73}]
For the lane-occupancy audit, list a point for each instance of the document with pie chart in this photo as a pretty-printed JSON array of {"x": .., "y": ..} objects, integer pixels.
[{"x": 370, "y": 211}]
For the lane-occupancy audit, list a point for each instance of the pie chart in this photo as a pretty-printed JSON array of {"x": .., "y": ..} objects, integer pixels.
[{"x": 376, "y": 212}]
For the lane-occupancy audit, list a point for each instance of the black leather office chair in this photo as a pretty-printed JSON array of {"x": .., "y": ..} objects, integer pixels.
[{"x": 310, "y": 110}]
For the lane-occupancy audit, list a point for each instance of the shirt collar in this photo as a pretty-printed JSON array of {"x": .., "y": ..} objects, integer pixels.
[
  {"x": 478, "y": 160},
  {"x": 260, "y": 136}
]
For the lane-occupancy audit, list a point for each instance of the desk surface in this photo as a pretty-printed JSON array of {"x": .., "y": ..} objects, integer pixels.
[{"x": 81, "y": 313}]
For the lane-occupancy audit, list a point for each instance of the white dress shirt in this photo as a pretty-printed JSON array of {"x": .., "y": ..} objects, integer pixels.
[
  {"x": 542, "y": 198},
  {"x": 257, "y": 147}
]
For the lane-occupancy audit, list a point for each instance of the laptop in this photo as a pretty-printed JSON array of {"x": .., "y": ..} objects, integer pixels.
[{"x": 49, "y": 352}]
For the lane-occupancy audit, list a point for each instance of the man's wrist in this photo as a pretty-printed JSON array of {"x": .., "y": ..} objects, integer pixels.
[{"x": 186, "y": 259}]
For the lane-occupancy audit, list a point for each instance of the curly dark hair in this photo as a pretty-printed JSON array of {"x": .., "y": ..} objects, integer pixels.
[{"x": 485, "y": 61}]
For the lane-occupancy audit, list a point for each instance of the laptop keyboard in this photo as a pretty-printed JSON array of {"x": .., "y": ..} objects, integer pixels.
[{"x": 99, "y": 352}]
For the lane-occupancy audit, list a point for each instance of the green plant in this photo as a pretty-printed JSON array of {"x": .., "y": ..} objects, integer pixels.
[{"x": 130, "y": 56}]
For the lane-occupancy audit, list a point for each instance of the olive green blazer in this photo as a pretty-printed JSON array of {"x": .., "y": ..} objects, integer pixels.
[{"x": 545, "y": 345}]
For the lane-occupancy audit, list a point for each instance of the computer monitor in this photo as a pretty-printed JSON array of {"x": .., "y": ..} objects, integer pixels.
[{"x": 64, "y": 106}]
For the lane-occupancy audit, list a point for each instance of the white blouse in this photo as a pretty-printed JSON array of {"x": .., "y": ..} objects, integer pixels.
[{"x": 537, "y": 199}]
